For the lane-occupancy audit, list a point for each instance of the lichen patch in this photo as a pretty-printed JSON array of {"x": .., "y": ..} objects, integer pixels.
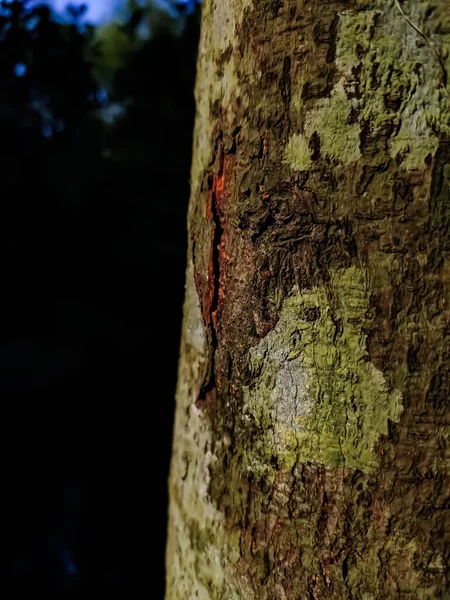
[
  {"x": 395, "y": 72},
  {"x": 317, "y": 395},
  {"x": 339, "y": 138}
]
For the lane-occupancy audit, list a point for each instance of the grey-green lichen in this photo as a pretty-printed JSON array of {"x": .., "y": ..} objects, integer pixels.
[
  {"x": 392, "y": 60},
  {"x": 317, "y": 395}
]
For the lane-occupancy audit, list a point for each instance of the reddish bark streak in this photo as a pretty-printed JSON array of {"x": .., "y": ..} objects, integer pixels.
[{"x": 216, "y": 273}]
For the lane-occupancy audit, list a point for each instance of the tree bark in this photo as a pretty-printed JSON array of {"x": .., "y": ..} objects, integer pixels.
[{"x": 311, "y": 444}]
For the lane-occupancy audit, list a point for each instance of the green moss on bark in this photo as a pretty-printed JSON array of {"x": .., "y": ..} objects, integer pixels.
[
  {"x": 298, "y": 153},
  {"x": 339, "y": 138}
]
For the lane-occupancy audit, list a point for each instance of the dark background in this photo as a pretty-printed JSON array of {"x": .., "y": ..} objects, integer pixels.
[{"x": 96, "y": 134}]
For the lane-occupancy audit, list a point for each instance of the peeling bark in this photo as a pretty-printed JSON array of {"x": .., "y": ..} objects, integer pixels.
[{"x": 311, "y": 446}]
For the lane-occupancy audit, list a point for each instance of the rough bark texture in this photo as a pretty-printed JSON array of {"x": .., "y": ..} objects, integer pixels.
[{"x": 311, "y": 445}]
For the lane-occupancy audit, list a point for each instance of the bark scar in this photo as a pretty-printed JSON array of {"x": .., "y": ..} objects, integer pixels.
[{"x": 216, "y": 271}]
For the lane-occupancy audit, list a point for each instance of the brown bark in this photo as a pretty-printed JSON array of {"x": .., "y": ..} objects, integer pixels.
[{"x": 311, "y": 457}]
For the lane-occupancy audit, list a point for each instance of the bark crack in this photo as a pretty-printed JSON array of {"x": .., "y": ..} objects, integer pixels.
[{"x": 215, "y": 273}]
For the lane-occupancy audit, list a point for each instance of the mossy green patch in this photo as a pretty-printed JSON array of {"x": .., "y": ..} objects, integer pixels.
[
  {"x": 297, "y": 153},
  {"x": 330, "y": 120},
  {"x": 354, "y": 38},
  {"x": 317, "y": 395},
  {"x": 339, "y": 139}
]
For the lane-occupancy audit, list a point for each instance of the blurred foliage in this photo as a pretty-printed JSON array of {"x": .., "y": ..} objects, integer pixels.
[
  {"x": 97, "y": 134},
  {"x": 147, "y": 19},
  {"x": 113, "y": 46},
  {"x": 36, "y": 54}
]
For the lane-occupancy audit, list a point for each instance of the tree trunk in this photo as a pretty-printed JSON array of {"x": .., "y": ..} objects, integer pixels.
[{"x": 311, "y": 444}]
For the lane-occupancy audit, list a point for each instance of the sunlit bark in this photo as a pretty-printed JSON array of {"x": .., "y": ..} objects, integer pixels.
[{"x": 310, "y": 454}]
